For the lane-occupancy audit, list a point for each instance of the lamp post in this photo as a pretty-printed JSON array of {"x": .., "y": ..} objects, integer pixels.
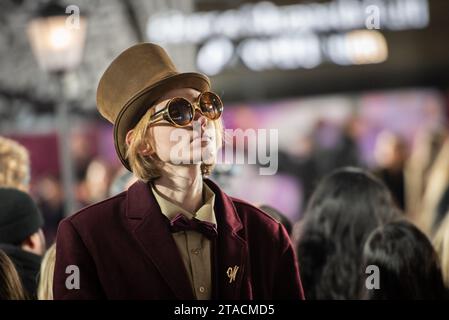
[{"x": 57, "y": 41}]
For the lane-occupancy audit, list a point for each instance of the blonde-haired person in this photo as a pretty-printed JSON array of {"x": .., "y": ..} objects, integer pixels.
[
  {"x": 424, "y": 152},
  {"x": 45, "y": 287},
  {"x": 10, "y": 286},
  {"x": 437, "y": 183},
  {"x": 14, "y": 165},
  {"x": 173, "y": 234},
  {"x": 441, "y": 243}
]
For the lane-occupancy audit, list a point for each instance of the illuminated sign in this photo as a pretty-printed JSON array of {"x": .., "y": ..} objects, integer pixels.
[{"x": 266, "y": 36}]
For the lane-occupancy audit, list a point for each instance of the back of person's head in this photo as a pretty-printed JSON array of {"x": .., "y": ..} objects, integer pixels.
[
  {"x": 441, "y": 245},
  {"x": 45, "y": 288},
  {"x": 20, "y": 221},
  {"x": 408, "y": 266},
  {"x": 345, "y": 207},
  {"x": 14, "y": 165},
  {"x": 10, "y": 285}
]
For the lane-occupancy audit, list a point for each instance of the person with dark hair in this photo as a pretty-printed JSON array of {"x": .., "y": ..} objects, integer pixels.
[
  {"x": 21, "y": 236},
  {"x": 407, "y": 264},
  {"x": 10, "y": 285},
  {"x": 346, "y": 206}
]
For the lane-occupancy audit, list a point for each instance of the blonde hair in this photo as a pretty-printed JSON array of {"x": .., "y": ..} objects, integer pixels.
[
  {"x": 438, "y": 179},
  {"x": 14, "y": 165},
  {"x": 148, "y": 167},
  {"x": 45, "y": 287},
  {"x": 441, "y": 244},
  {"x": 425, "y": 150},
  {"x": 10, "y": 285}
]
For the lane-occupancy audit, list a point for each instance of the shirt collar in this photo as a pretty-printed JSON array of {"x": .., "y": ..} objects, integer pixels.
[{"x": 170, "y": 209}]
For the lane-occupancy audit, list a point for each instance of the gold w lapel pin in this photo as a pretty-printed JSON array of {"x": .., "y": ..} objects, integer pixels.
[{"x": 231, "y": 273}]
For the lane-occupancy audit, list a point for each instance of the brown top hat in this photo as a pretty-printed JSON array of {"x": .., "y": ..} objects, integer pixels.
[{"x": 133, "y": 82}]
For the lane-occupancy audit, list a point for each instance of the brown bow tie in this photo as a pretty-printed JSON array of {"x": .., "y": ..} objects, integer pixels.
[{"x": 182, "y": 223}]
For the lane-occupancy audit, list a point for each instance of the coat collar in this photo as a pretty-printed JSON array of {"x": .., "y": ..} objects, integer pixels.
[{"x": 150, "y": 229}]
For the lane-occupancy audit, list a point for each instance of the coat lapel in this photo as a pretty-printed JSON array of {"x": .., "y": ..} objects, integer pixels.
[
  {"x": 150, "y": 229},
  {"x": 230, "y": 265}
]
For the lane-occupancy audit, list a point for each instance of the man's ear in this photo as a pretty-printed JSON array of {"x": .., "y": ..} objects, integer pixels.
[
  {"x": 144, "y": 148},
  {"x": 129, "y": 137},
  {"x": 34, "y": 243}
]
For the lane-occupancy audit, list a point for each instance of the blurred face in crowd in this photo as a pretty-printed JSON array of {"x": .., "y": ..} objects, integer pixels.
[
  {"x": 97, "y": 181},
  {"x": 389, "y": 150}
]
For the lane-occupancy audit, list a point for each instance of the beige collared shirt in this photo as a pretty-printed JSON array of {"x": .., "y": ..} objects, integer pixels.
[{"x": 194, "y": 247}]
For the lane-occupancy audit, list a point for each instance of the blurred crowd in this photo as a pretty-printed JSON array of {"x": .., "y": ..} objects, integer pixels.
[{"x": 392, "y": 216}]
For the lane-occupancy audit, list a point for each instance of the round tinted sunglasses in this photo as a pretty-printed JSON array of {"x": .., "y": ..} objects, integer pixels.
[{"x": 180, "y": 112}]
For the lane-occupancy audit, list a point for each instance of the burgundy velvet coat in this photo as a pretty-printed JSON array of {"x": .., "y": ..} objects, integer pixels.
[{"x": 123, "y": 249}]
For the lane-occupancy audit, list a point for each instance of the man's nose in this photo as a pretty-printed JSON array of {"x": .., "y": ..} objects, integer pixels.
[{"x": 202, "y": 120}]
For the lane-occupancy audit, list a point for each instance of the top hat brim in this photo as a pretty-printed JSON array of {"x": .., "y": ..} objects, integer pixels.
[{"x": 138, "y": 105}]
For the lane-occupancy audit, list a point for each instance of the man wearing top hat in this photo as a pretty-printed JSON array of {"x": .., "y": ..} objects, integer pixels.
[{"x": 174, "y": 234}]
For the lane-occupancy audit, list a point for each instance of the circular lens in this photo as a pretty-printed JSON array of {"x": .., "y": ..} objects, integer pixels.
[
  {"x": 211, "y": 105},
  {"x": 180, "y": 111}
]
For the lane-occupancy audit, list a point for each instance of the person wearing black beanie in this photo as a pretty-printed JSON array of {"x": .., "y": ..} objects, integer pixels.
[{"x": 21, "y": 236}]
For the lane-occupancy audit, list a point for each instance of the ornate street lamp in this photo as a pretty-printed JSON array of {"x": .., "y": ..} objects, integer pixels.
[
  {"x": 57, "y": 35},
  {"x": 57, "y": 39}
]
